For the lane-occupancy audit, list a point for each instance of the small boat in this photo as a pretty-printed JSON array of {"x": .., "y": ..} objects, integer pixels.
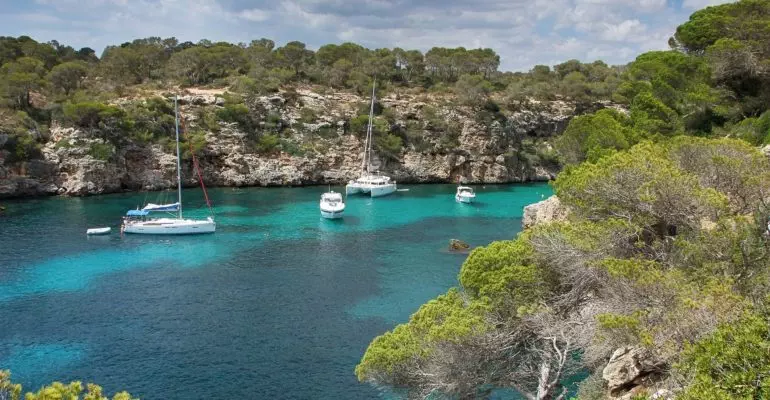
[
  {"x": 465, "y": 195},
  {"x": 139, "y": 221},
  {"x": 98, "y": 231},
  {"x": 370, "y": 182},
  {"x": 332, "y": 206}
]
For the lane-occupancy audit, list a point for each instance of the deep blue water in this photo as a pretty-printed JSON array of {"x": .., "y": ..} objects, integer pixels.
[{"x": 277, "y": 304}]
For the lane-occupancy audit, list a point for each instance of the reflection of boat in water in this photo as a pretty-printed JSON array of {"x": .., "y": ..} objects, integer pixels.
[
  {"x": 139, "y": 221},
  {"x": 370, "y": 182},
  {"x": 332, "y": 206},
  {"x": 465, "y": 195}
]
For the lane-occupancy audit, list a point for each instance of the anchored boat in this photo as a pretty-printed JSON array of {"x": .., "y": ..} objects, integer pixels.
[
  {"x": 332, "y": 206},
  {"x": 140, "y": 220},
  {"x": 465, "y": 194},
  {"x": 370, "y": 182},
  {"x": 98, "y": 231}
]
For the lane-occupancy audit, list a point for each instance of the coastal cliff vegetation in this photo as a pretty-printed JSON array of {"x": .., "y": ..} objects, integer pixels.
[
  {"x": 73, "y": 123},
  {"x": 118, "y": 94},
  {"x": 656, "y": 285}
]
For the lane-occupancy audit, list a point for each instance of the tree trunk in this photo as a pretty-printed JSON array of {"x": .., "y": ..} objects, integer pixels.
[{"x": 543, "y": 388}]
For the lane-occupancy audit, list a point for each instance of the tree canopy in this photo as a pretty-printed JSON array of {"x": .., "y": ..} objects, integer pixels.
[{"x": 665, "y": 249}]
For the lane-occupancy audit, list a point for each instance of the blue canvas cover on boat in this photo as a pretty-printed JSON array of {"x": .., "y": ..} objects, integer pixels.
[{"x": 137, "y": 213}]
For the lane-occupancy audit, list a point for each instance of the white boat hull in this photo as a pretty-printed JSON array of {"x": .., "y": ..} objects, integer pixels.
[
  {"x": 332, "y": 214},
  {"x": 98, "y": 231},
  {"x": 465, "y": 199},
  {"x": 170, "y": 226},
  {"x": 384, "y": 190},
  {"x": 372, "y": 190}
]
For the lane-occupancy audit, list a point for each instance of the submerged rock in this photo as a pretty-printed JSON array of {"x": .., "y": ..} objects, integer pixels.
[{"x": 458, "y": 245}]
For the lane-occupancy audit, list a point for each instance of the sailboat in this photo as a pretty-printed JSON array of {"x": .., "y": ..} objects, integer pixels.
[
  {"x": 370, "y": 182},
  {"x": 139, "y": 220}
]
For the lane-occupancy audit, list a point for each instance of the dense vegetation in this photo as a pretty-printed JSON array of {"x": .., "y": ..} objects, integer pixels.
[
  {"x": 666, "y": 248},
  {"x": 45, "y": 82},
  {"x": 55, "y": 391}
]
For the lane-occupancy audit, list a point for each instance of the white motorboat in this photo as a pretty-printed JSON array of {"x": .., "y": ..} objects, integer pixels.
[
  {"x": 332, "y": 206},
  {"x": 140, "y": 221},
  {"x": 98, "y": 231},
  {"x": 370, "y": 182},
  {"x": 465, "y": 195}
]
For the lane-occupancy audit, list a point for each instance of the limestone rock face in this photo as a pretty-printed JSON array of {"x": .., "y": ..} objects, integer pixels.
[
  {"x": 318, "y": 150},
  {"x": 548, "y": 210},
  {"x": 629, "y": 371}
]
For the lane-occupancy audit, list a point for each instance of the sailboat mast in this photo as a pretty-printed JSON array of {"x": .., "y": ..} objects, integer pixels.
[
  {"x": 368, "y": 159},
  {"x": 178, "y": 158}
]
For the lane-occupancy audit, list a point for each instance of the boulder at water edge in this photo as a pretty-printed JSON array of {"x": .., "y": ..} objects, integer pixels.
[{"x": 458, "y": 245}]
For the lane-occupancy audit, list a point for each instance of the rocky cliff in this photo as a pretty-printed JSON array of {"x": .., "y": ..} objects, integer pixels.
[{"x": 483, "y": 147}]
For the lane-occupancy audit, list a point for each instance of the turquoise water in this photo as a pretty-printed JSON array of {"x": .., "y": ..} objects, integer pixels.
[{"x": 278, "y": 303}]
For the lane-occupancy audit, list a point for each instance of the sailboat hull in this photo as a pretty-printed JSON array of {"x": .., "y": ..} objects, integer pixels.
[
  {"x": 170, "y": 226},
  {"x": 372, "y": 190},
  {"x": 383, "y": 190}
]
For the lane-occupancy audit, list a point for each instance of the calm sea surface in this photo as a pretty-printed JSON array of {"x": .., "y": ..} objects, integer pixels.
[{"x": 277, "y": 304}]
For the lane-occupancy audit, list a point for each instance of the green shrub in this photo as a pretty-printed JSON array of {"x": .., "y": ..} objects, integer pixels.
[
  {"x": 26, "y": 147},
  {"x": 207, "y": 119},
  {"x": 194, "y": 141},
  {"x": 327, "y": 131},
  {"x": 274, "y": 122},
  {"x": 293, "y": 148},
  {"x": 472, "y": 90},
  {"x": 101, "y": 151},
  {"x": 267, "y": 143},
  {"x": 733, "y": 363},
  {"x": 22, "y": 143},
  {"x": 151, "y": 119},
  {"x": 389, "y": 145},
  {"x": 95, "y": 115},
  {"x": 357, "y": 125},
  {"x": 307, "y": 115},
  {"x": 237, "y": 113},
  {"x": 243, "y": 84}
]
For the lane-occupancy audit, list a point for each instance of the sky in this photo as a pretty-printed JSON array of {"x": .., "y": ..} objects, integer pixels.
[{"x": 523, "y": 32}]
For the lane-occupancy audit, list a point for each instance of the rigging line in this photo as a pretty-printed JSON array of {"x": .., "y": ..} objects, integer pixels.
[{"x": 196, "y": 166}]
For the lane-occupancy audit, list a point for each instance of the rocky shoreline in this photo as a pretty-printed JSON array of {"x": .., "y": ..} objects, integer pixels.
[{"x": 483, "y": 152}]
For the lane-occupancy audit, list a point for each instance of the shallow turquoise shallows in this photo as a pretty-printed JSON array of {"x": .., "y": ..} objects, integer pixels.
[{"x": 277, "y": 304}]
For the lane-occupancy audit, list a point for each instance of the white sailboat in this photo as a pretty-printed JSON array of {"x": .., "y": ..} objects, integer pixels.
[
  {"x": 139, "y": 220},
  {"x": 332, "y": 206},
  {"x": 370, "y": 182}
]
